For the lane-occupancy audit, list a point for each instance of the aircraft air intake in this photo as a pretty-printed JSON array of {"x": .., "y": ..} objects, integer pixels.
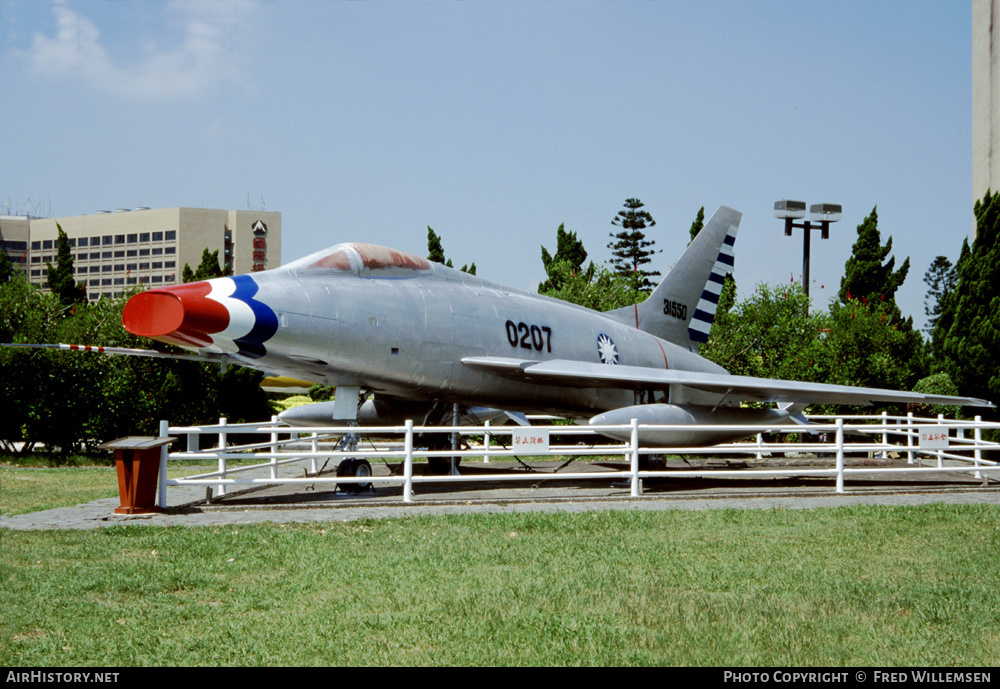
[{"x": 219, "y": 315}]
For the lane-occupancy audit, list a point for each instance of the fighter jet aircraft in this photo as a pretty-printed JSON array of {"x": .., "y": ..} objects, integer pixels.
[{"x": 415, "y": 338}]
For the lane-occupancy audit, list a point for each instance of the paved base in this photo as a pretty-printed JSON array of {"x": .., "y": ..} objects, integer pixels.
[{"x": 535, "y": 492}]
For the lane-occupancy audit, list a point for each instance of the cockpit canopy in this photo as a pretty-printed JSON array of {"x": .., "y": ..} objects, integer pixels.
[{"x": 353, "y": 257}]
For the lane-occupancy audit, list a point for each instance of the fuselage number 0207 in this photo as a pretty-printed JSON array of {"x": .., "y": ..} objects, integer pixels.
[
  {"x": 527, "y": 336},
  {"x": 675, "y": 309}
]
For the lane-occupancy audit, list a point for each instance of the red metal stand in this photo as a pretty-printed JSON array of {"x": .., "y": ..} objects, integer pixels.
[{"x": 137, "y": 460}]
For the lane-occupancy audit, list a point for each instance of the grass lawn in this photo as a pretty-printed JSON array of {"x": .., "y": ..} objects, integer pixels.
[{"x": 867, "y": 585}]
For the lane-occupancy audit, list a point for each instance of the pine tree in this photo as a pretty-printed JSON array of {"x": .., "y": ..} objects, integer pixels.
[
  {"x": 206, "y": 270},
  {"x": 631, "y": 249},
  {"x": 940, "y": 279},
  {"x": 568, "y": 248},
  {"x": 698, "y": 224},
  {"x": 967, "y": 332},
  {"x": 866, "y": 277},
  {"x": 60, "y": 279},
  {"x": 435, "y": 251}
]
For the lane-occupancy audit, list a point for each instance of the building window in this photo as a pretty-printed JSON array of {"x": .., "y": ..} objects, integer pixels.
[
  {"x": 82, "y": 241},
  {"x": 131, "y": 253},
  {"x": 119, "y": 254},
  {"x": 106, "y": 240},
  {"x": 119, "y": 239},
  {"x": 144, "y": 252},
  {"x": 144, "y": 266},
  {"x": 157, "y": 236},
  {"x": 47, "y": 244},
  {"x": 132, "y": 238},
  {"x": 170, "y": 250},
  {"x": 157, "y": 278},
  {"x": 105, "y": 254},
  {"x": 158, "y": 266},
  {"x": 130, "y": 266},
  {"x": 36, "y": 246},
  {"x": 144, "y": 236},
  {"x": 158, "y": 252},
  {"x": 119, "y": 266},
  {"x": 170, "y": 236}
]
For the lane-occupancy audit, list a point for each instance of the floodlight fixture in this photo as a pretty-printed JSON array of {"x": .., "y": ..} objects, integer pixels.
[
  {"x": 820, "y": 217},
  {"x": 789, "y": 209}
]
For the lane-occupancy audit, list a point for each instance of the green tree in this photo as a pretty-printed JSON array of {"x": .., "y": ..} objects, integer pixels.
[
  {"x": 868, "y": 276},
  {"x": 630, "y": 248},
  {"x": 966, "y": 340},
  {"x": 569, "y": 249},
  {"x": 597, "y": 288},
  {"x": 698, "y": 224},
  {"x": 771, "y": 334},
  {"x": 6, "y": 269},
  {"x": 207, "y": 270},
  {"x": 940, "y": 279},
  {"x": 60, "y": 279},
  {"x": 435, "y": 252}
]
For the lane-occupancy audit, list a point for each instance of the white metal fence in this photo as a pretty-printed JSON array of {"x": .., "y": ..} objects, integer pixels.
[{"x": 928, "y": 445}]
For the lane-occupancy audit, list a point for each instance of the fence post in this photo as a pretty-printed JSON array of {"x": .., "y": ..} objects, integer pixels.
[
  {"x": 909, "y": 437},
  {"x": 634, "y": 459},
  {"x": 979, "y": 446},
  {"x": 408, "y": 463},
  {"x": 486, "y": 442},
  {"x": 274, "y": 448},
  {"x": 885, "y": 434},
  {"x": 940, "y": 453},
  {"x": 220, "y": 489},
  {"x": 164, "y": 432},
  {"x": 840, "y": 455},
  {"x": 313, "y": 448}
]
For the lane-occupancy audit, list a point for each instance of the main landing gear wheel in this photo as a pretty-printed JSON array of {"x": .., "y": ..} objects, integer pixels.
[{"x": 355, "y": 468}]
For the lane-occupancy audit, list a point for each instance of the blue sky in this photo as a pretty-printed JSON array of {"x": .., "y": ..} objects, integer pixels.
[{"x": 494, "y": 122}]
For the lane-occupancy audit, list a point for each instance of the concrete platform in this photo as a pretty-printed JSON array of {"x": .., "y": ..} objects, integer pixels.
[{"x": 541, "y": 489}]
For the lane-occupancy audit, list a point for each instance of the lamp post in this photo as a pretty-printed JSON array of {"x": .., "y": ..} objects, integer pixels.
[{"x": 820, "y": 217}]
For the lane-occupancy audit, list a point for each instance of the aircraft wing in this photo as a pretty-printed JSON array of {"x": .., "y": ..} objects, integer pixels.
[
  {"x": 590, "y": 375},
  {"x": 207, "y": 358}
]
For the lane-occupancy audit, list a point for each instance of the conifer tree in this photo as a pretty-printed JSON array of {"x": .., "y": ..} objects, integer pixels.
[
  {"x": 435, "y": 252},
  {"x": 568, "y": 248},
  {"x": 967, "y": 332},
  {"x": 631, "y": 249},
  {"x": 940, "y": 279},
  {"x": 868, "y": 277},
  {"x": 60, "y": 278},
  {"x": 698, "y": 224},
  {"x": 206, "y": 270}
]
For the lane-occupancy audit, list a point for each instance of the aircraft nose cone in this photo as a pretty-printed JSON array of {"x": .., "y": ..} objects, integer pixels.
[{"x": 181, "y": 315}]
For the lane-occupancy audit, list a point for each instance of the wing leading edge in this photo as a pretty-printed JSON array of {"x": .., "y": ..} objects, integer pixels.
[{"x": 591, "y": 375}]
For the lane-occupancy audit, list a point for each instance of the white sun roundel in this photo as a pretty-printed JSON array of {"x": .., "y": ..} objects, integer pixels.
[{"x": 607, "y": 350}]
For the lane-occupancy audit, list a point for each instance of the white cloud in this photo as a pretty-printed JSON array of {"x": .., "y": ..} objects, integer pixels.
[{"x": 213, "y": 50}]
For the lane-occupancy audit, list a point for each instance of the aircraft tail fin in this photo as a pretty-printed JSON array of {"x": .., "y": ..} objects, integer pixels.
[{"x": 682, "y": 307}]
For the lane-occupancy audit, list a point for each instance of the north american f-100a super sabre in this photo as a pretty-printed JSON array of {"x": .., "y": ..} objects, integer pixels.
[{"x": 401, "y": 337}]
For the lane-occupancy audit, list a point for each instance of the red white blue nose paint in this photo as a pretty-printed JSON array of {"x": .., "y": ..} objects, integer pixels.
[{"x": 218, "y": 315}]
